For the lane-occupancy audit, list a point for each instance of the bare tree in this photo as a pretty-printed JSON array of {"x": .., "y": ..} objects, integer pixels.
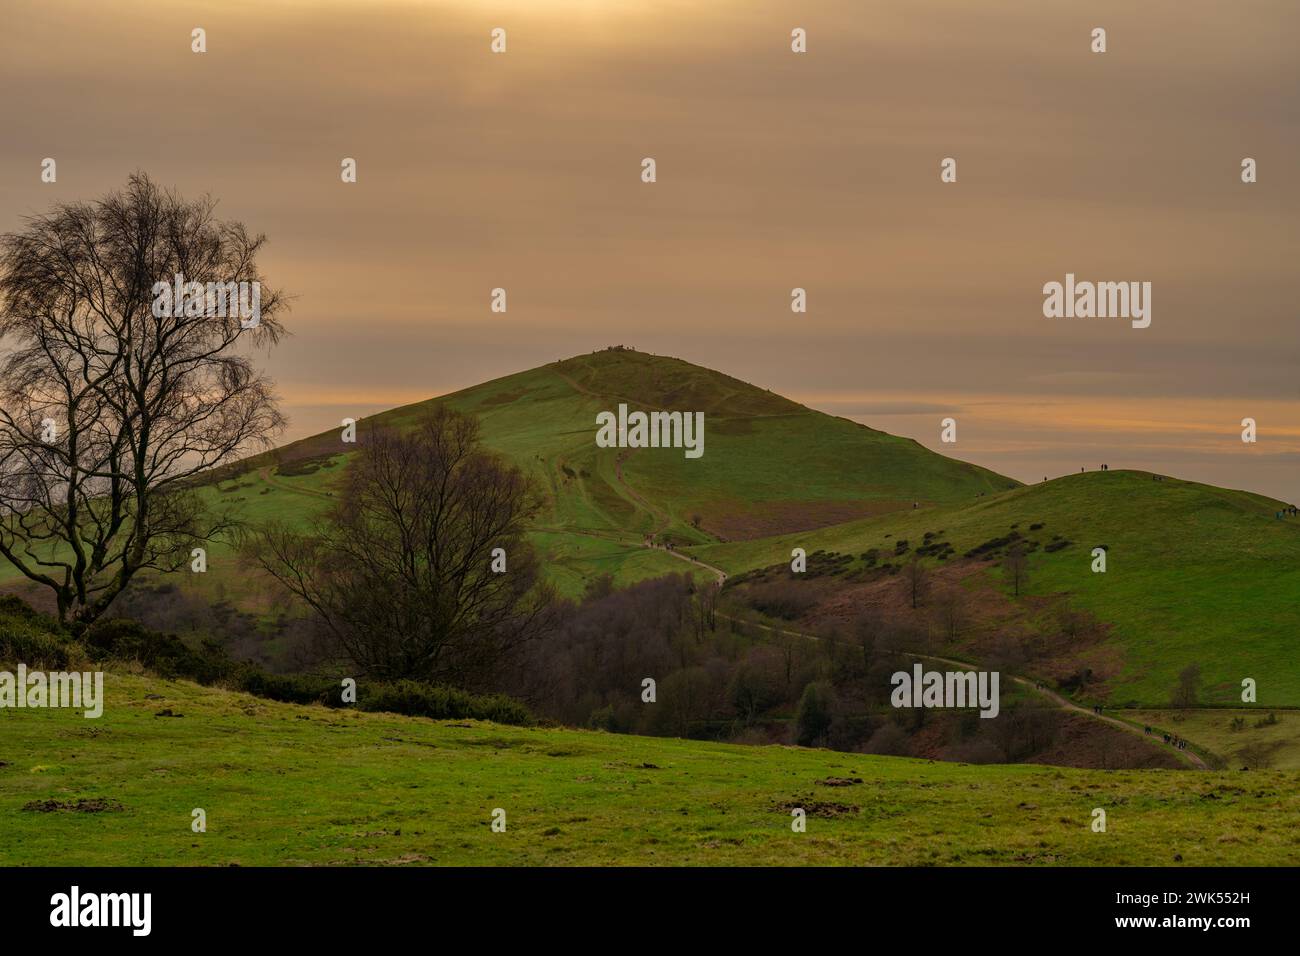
[
  {"x": 868, "y": 628},
  {"x": 705, "y": 607},
  {"x": 1187, "y": 691},
  {"x": 756, "y": 683},
  {"x": 951, "y": 610},
  {"x": 405, "y": 570},
  {"x": 790, "y": 646},
  {"x": 684, "y": 698},
  {"x": 1016, "y": 566},
  {"x": 110, "y": 405},
  {"x": 917, "y": 577}
]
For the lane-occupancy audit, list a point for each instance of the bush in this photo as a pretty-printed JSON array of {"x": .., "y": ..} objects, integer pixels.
[
  {"x": 164, "y": 654},
  {"x": 416, "y": 699},
  {"x": 788, "y": 600},
  {"x": 31, "y": 638},
  {"x": 607, "y": 719},
  {"x": 35, "y": 648},
  {"x": 15, "y": 610},
  {"x": 889, "y": 740},
  {"x": 291, "y": 689}
]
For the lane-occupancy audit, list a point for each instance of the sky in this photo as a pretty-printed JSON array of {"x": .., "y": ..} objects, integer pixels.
[{"x": 775, "y": 170}]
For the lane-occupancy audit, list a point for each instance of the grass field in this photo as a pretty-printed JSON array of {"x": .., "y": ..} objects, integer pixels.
[{"x": 282, "y": 784}]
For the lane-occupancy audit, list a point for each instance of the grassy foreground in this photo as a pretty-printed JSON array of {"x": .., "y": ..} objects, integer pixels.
[{"x": 283, "y": 784}]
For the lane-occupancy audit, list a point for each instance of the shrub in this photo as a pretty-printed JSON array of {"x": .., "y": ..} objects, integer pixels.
[
  {"x": 604, "y": 719},
  {"x": 416, "y": 699},
  {"x": 784, "y": 599},
  {"x": 889, "y": 740},
  {"x": 22, "y": 643},
  {"x": 14, "y": 609},
  {"x": 31, "y": 638},
  {"x": 304, "y": 466},
  {"x": 164, "y": 654},
  {"x": 288, "y": 689}
]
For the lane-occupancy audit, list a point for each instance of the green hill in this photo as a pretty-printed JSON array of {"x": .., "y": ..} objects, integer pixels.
[
  {"x": 290, "y": 785},
  {"x": 1195, "y": 574},
  {"x": 769, "y": 465}
]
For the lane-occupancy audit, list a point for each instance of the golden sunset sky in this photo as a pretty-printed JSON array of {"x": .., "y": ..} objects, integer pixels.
[{"x": 775, "y": 170}]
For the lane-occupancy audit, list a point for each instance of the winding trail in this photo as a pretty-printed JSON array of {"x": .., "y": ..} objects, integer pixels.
[
  {"x": 717, "y": 572},
  {"x": 662, "y": 518},
  {"x": 1189, "y": 756}
]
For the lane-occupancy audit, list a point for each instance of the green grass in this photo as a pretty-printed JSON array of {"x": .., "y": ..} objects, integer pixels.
[
  {"x": 282, "y": 784},
  {"x": 1195, "y": 574}
]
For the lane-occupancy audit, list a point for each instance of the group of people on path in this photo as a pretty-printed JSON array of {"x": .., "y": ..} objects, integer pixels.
[{"x": 1173, "y": 739}]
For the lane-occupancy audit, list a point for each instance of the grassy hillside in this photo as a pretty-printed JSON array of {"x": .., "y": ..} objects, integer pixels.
[
  {"x": 769, "y": 465},
  {"x": 282, "y": 784},
  {"x": 1195, "y": 574}
]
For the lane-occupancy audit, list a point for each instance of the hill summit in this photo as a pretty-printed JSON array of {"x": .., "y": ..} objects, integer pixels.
[{"x": 771, "y": 465}]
